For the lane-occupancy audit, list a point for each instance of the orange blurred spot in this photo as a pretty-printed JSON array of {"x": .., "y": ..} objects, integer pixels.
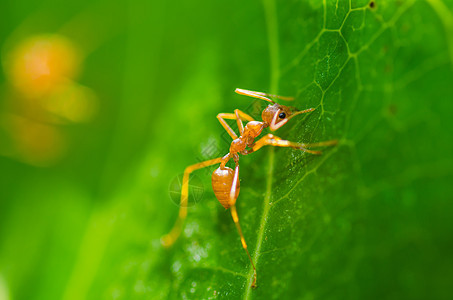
[
  {"x": 38, "y": 64},
  {"x": 41, "y": 70},
  {"x": 33, "y": 142}
]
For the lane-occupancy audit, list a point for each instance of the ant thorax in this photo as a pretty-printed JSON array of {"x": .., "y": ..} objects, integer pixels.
[{"x": 251, "y": 130}]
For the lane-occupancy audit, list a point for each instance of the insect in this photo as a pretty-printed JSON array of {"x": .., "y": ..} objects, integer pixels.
[{"x": 225, "y": 181}]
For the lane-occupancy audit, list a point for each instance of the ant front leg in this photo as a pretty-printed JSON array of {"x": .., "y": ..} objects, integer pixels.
[
  {"x": 170, "y": 238},
  {"x": 239, "y": 116},
  {"x": 272, "y": 140},
  {"x": 235, "y": 216},
  {"x": 263, "y": 96}
]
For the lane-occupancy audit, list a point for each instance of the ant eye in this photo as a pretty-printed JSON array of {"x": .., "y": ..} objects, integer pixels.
[{"x": 282, "y": 115}]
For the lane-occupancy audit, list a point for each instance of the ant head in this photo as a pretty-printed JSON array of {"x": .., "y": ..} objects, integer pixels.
[{"x": 277, "y": 115}]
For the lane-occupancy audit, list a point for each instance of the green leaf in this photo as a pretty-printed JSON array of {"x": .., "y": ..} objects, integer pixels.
[{"x": 368, "y": 218}]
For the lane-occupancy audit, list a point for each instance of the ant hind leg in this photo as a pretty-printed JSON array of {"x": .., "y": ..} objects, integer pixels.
[
  {"x": 235, "y": 216},
  {"x": 170, "y": 238}
]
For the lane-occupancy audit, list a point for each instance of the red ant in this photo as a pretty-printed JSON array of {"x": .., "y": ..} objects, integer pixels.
[{"x": 225, "y": 181}]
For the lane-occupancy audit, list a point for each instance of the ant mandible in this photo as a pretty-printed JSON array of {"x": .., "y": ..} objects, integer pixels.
[{"x": 225, "y": 181}]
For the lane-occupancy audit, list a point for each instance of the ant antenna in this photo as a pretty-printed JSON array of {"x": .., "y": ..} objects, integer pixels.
[{"x": 301, "y": 112}]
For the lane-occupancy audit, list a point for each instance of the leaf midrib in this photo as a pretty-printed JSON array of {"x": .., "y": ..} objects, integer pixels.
[
  {"x": 274, "y": 57},
  {"x": 263, "y": 221}
]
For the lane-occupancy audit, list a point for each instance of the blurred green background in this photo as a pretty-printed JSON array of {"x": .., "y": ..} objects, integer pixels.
[{"x": 104, "y": 103}]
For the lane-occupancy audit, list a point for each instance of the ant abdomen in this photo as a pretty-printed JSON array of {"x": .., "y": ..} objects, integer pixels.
[{"x": 222, "y": 180}]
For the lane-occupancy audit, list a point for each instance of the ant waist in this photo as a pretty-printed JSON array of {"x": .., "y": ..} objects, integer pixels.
[{"x": 239, "y": 144}]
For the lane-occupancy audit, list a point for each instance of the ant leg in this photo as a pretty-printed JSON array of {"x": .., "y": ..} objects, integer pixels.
[
  {"x": 235, "y": 216},
  {"x": 239, "y": 121},
  {"x": 238, "y": 116},
  {"x": 221, "y": 117},
  {"x": 243, "y": 115},
  {"x": 273, "y": 140},
  {"x": 262, "y": 96},
  {"x": 169, "y": 239}
]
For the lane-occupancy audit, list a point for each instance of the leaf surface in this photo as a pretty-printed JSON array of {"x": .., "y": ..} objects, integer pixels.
[{"x": 363, "y": 220}]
